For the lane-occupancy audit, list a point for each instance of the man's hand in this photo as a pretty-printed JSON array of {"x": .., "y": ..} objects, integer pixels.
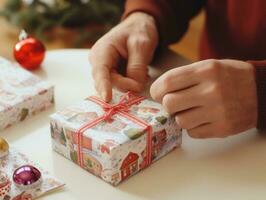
[
  {"x": 135, "y": 40},
  {"x": 211, "y": 98}
]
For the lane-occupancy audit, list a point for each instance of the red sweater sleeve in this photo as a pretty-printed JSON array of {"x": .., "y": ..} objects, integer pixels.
[
  {"x": 260, "y": 69},
  {"x": 172, "y": 16}
]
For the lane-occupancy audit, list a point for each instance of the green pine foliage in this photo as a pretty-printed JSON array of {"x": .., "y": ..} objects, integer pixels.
[{"x": 39, "y": 17}]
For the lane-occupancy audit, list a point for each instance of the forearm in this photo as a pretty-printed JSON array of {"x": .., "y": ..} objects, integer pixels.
[{"x": 172, "y": 17}]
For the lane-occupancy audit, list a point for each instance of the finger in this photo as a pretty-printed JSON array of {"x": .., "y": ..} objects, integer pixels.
[
  {"x": 174, "y": 80},
  {"x": 103, "y": 58},
  {"x": 125, "y": 84},
  {"x": 183, "y": 100},
  {"x": 203, "y": 131},
  {"x": 209, "y": 130},
  {"x": 140, "y": 52},
  {"x": 193, "y": 118},
  {"x": 103, "y": 84}
]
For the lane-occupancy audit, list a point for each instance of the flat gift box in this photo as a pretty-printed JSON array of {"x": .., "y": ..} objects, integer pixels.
[
  {"x": 22, "y": 94},
  {"x": 114, "y": 140}
]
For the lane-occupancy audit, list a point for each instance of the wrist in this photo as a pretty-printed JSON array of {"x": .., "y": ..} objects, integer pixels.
[
  {"x": 142, "y": 15},
  {"x": 139, "y": 18},
  {"x": 253, "y": 90},
  {"x": 260, "y": 76}
]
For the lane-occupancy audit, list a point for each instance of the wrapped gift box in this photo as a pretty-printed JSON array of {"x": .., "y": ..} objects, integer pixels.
[
  {"x": 22, "y": 94},
  {"x": 114, "y": 140}
]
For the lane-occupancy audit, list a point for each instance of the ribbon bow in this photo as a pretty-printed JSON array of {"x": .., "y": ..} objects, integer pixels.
[
  {"x": 123, "y": 105},
  {"x": 121, "y": 108}
]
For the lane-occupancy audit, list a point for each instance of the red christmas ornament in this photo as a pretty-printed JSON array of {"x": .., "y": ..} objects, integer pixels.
[{"x": 29, "y": 52}]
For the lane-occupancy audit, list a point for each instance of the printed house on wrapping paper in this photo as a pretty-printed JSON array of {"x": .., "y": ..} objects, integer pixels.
[
  {"x": 158, "y": 141},
  {"x": 117, "y": 148},
  {"x": 129, "y": 165}
]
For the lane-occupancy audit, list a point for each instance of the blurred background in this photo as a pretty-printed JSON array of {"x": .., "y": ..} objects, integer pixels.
[{"x": 73, "y": 24}]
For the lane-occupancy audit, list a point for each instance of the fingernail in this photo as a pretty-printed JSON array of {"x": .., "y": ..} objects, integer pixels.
[
  {"x": 177, "y": 121},
  {"x": 104, "y": 96}
]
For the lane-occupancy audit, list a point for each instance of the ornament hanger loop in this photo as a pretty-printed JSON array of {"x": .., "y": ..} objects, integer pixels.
[{"x": 23, "y": 35}]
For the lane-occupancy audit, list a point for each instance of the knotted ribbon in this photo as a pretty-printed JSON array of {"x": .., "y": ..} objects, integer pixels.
[{"x": 122, "y": 108}]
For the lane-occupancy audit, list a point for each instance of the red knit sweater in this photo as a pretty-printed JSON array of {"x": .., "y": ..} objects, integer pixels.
[{"x": 234, "y": 29}]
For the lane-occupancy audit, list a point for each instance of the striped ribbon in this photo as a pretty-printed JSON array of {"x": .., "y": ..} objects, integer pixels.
[{"x": 121, "y": 108}]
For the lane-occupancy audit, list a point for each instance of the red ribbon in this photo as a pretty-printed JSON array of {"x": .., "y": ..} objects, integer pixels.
[{"x": 122, "y": 108}]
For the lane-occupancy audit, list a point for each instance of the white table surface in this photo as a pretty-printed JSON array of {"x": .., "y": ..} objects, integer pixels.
[{"x": 231, "y": 168}]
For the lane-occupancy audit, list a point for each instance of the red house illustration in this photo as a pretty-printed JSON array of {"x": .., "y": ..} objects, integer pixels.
[
  {"x": 143, "y": 164},
  {"x": 158, "y": 140},
  {"x": 129, "y": 165},
  {"x": 107, "y": 145}
]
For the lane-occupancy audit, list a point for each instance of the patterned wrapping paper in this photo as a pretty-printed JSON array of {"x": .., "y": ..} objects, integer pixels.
[
  {"x": 22, "y": 94},
  {"x": 114, "y": 150},
  {"x": 16, "y": 159}
]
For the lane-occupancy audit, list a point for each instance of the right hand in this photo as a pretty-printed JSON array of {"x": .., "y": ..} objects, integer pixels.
[{"x": 135, "y": 40}]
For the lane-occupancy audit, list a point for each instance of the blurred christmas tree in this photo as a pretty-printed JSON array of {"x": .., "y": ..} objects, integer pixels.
[{"x": 91, "y": 17}]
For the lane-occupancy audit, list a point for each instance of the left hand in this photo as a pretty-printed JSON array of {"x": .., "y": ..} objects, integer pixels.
[{"x": 210, "y": 98}]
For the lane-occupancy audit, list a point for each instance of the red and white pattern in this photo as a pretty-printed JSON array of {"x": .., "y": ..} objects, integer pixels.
[
  {"x": 5, "y": 184},
  {"x": 115, "y": 143}
]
